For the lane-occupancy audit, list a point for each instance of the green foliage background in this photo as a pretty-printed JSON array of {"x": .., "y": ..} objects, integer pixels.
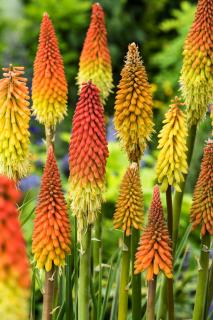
[{"x": 159, "y": 28}]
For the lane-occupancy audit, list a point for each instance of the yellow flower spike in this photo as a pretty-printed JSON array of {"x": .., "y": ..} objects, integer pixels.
[
  {"x": 14, "y": 123},
  {"x": 196, "y": 74},
  {"x": 133, "y": 106},
  {"x": 129, "y": 208},
  {"x": 172, "y": 159}
]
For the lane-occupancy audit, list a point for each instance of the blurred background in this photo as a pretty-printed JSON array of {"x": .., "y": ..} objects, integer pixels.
[{"x": 159, "y": 28}]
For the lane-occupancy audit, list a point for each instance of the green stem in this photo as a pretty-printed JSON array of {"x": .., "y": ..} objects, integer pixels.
[
  {"x": 150, "y": 311},
  {"x": 200, "y": 297},
  {"x": 170, "y": 294},
  {"x": 48, "y": 295},
  {"x": 178, "y": 197},
  {"x": 209, "y": 290},
  {"x": 136, "y": 279},
  {"x": 84, "y": 275},
  {"x": 76, "y": 267},
  {"x": 69, "y": 303},
  {"x": 97, "y": 258},
  {"x": 124, "y": 279}
]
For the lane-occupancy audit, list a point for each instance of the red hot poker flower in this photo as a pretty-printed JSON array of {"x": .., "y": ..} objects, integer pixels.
[
  {"x": 155, "y": 249},
  {"x": 51, "y": 235}
]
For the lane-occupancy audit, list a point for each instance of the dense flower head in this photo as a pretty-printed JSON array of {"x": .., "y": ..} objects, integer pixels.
[
  {"x": 202, "y": 203},
  {"x": 133, "y": 106},
  {"x": 51, "y": 234},
  {"x": 196, "y": 75},
  {"x": 95, "y": 61},
  {"x": 211, "y": 117},
  {"x": 87, "y": 156},
  {"x": 129, "y": 206},
  {"x": 14, "y": 267},
  {"x": 155, "y": 249},
  {"x": 49, "y": 88},
  {"x": 14, "y": 123},
  {"x": 172, "y": 159}
]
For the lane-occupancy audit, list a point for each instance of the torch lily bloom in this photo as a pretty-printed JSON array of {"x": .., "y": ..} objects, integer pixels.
[
  {"x": 129, "y": 207},
  {"x": 49, "y": 87},
  {"x": 51, "y": 234},
  {"x": 133, "y": 106},
  {"x": 95, "y": 61},
  {"x": 196, "y": 74},
  {"x": 14, "y": 123},
  {"x": 87, "y": 156},
  {"x": 202, "y": 203},
  {"x": 155, "y": 249},
  {"x": 172, "y": 159},
  {"x": 14, "y": 267}
]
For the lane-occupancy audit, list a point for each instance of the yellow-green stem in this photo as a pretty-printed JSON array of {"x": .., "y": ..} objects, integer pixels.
[
  {"x": 150, "y": 309},
  {"x": 48, "y": 295},
  {"x": 84, "y": 275},
  {"x": 200, "y": 297},
  {"x": 124, "y": 279},
  {"x": 136, "y": 279}
]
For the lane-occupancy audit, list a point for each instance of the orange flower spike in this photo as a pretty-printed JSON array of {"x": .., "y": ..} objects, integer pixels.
[
  {"x": 14, "y": 123},
  {"x": 14, "y": 266},
  {"x": 87, "y": 156},
  {"x": 129, "y": 207},
  {"x": 95, "y": 61},
  {"x": 49, "y": 87},
  {"x": 196, "y": 74},
  {"x": 51, "y": 234},
  {"x": 202, "y": 203},
  {"x": 133, "y": 106},
  {"x": 155, "y": 249}
]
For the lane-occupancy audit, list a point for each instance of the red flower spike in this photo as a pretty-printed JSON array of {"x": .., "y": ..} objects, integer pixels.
[
  {"x": 49, "y": 88},
  {"x": 87, "y": 156},
  {"x": 155, "y": 249},
  {"x": 14, "y": 267},
  {"x": 202, "y": 203},
  {"x": 51, "y": 235}
]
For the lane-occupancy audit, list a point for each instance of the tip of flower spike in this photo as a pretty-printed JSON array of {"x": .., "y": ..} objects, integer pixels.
[
  {"x": 133, "y": 55},
  {"x": 97, "y": 9},
  {"x": 176, "y": 102},
  {"x": 45, "y": 14}
]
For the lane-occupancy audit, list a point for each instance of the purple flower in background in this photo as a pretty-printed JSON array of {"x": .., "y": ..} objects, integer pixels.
[
  {"x": 111, "y": 133},
  {"x": 30, "y": 182},
  {"x": 65, "y": 165}
]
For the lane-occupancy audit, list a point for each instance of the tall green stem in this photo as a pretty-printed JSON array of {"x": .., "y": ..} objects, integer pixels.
[
  {"x": 200, "y": 298},
  {"x": 97, "y": 258},
  {"x": 124, "y": 280},
  {"x": 150, "y": 310},
  {"x": 170, "y": 297},
  {"x": 136, "y": 279},
  {"x": 84, "y": 276},
  {"x": 48, "y": 295}
]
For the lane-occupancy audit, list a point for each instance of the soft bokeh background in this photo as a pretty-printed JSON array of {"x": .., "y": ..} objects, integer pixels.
[{"x": 159, "y": 27}]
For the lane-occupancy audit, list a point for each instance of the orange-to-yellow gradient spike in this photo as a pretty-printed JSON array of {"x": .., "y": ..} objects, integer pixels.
[
  {"x": 51, "y": 234},
  {"x": 155, "y": 249},
  {"x": 172, "y": 158},
  {"x": 14, "y": 123},
  {"x": 87, "y": 156},
  {"x": 14, "y": 267},
  {"x": 49, "y": 88},
  {"x": 196, "y": 74},
  {"x": 95, "y": 61},
  {"x": 133, "y": 106},
  {"x": 129, "y": 207},
  {"x": 202, "y": 203}
]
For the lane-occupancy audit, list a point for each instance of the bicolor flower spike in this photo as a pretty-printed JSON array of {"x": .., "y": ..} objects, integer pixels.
[
  {"x": 14, "y": 123},
  {"x": 95, "y": 60},
  {"x": 49, "y": 88},
  {"x": 129, "y": 208},
  {"x": 133, "y": 106},
  {"x": 87, "y": 156},
  {"x": 51, "y": 234},
  {"x": 202, "y": 203},
  {"x": 196, "y": 74},
  {"x": 154, "y": 253},
  {"x": 14, "y": 267},
  {"x": 172, "y": 159}
]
